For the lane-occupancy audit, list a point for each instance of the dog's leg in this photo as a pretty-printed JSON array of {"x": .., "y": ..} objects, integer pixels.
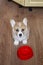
[
  {"x": 16, "y": 42},
  {"x": 25, "y": 41}
]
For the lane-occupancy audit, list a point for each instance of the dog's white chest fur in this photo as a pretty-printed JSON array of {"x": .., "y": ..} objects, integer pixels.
[{"x": 20, "y": 32}]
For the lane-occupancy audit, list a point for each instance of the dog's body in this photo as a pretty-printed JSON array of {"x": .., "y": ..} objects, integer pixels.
[{"x": 20, "y": 31}]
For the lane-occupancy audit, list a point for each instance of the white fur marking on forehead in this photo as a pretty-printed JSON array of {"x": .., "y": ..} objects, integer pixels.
[
  {"x": 25, "y": 21},
  {"x": 19, "y": 23},
  {"x": 12, "y": 22}
]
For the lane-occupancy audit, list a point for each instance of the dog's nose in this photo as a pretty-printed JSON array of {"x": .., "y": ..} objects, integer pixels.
[{"x": 20, "y": 35}]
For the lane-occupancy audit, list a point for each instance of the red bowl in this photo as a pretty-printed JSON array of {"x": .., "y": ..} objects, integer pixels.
[{"x": 24, "y": 52}]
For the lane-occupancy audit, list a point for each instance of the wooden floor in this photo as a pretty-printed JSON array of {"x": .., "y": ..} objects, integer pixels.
[{"x": 8, "y": 52}]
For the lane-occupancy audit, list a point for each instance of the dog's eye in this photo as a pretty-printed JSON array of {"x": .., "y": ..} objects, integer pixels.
[
  {"x": 17, "y": 30},
  {"x": 22, "y": 29}
]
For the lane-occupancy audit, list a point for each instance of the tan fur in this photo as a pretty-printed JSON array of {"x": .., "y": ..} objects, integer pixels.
[{"x": 19, "y": 25}]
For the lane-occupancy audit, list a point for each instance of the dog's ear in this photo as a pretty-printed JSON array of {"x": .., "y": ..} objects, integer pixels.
[
  {"x": 12, "y": 22},
  {"x": 25, "y": 21}
]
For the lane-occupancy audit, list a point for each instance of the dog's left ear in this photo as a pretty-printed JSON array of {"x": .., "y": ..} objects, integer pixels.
[{"x": 25, "y": 21}]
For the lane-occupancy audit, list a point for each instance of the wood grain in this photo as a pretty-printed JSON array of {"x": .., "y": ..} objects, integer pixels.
[{"x": 8, "y": 51}]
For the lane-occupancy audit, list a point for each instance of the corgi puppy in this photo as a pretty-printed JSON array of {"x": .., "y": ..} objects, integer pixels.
[{"x": 20, "y": 31}]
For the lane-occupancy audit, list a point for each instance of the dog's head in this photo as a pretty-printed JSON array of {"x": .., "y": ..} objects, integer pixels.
[{"x": 19, "y": 28}]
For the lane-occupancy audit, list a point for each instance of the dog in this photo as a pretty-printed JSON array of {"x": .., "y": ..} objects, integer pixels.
[{"x": 20, "y": 31}]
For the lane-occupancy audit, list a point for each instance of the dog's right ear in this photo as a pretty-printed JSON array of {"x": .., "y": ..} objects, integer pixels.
[
  {"x": 25, "y": 21},
  {"x": 12, "y": 22}
]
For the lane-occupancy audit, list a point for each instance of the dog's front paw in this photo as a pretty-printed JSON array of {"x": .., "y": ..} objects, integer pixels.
[
  {"x": 16, "y": 42},
  {"x": 24, "y": 41}
]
